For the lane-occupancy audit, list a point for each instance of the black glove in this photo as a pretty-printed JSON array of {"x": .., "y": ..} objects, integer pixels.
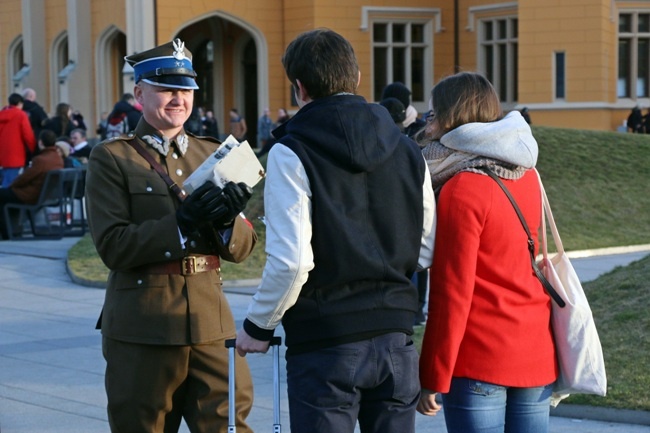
[
  {"x": 205, "y": 204},
  {"x": 236, "y": 196}
]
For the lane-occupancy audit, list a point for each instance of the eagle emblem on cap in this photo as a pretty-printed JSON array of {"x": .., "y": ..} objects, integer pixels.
[{"x": 179, "y": 49}]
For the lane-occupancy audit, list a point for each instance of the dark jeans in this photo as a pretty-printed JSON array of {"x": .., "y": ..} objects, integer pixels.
[
  {"x": 375, "y": 381},
  {"x": 6, "y": 196}
]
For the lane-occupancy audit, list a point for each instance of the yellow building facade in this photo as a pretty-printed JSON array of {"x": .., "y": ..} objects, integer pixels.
[{"x": 573, "y": 63}]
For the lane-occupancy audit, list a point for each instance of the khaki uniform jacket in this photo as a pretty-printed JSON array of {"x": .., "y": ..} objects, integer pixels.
[{"x": 132, "y": 220}]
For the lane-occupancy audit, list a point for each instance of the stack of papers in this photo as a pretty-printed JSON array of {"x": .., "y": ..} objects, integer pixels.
[{"x": 231, "y": 162}]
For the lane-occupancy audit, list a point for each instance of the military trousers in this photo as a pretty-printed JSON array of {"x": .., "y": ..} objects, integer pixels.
[{"x": 150, "y": 388}]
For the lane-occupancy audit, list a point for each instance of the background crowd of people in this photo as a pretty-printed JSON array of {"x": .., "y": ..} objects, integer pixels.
[{"x": 637, "y": 122}]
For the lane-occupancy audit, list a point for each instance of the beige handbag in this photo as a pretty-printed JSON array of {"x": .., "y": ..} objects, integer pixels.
[{"x": 579, "y": 353}]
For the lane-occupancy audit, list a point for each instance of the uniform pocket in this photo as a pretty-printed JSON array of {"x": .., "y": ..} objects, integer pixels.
[{"x": 149, "y": 198}]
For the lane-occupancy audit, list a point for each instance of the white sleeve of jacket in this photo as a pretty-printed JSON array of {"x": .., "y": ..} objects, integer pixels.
[
  {"x": 429, "y": 225},
  {"x": 287, "y": 208}
]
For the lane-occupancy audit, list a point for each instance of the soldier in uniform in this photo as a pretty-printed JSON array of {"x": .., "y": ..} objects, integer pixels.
[{"x": 165, "y": 317}]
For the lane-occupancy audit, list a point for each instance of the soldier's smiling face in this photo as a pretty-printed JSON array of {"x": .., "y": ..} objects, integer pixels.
[{"x": 165, "y": 108}]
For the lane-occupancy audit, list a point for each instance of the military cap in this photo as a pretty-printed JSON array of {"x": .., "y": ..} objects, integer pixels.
[{"x": 168, "y": 65}]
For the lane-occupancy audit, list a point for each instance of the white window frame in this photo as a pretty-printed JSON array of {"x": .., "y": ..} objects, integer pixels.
[
  {"x": 429, "y": 18},
  {"x": 555, "y": 75},
  {"x": 511, "y": 42},
  {"x": 631, "y": 91}
]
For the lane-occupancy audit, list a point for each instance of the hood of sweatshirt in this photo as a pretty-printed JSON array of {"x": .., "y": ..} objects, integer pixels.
[
  {"x": 356, "y": 134},
  {"x": 8, "y": 114},
  {"x": 509, "y": 139},
  {"x": 123, "y": 107}
]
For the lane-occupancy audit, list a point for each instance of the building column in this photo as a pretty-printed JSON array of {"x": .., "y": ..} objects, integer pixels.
[
  {"x": 140, "y": 33},
  {"x": 76, "y": 79},
  {"x": 35, "y": 49}
]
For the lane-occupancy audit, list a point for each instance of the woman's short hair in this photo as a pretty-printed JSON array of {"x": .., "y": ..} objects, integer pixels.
[{"x": 462, "y": 98}]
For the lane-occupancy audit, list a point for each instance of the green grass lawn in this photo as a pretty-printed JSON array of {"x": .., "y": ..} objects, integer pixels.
[{"x": 597, "y": 183}]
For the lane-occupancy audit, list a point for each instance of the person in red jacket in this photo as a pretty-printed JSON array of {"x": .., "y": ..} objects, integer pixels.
[
  {"x": 27, "y": 186},
  {"x": 487, "y": 347},
  {"x": 17, "y": 139}
]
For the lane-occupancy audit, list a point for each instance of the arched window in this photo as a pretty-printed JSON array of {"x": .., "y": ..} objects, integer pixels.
[
  {"x": 110, "y": 84},
  {"x": 17, "y": 69},
  {"x": 59, "y": 60}
]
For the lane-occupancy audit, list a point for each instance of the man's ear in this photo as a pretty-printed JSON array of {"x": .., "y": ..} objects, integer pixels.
[
  {"x": 137, "y": 93},
  {"x": 301, "y": 92}
]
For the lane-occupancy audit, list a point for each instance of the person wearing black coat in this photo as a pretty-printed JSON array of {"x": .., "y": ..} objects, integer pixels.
[
  {"x": 61, "y": 123},
  {"x": 126, "y": 105},
  {"x": 35, "y": 112},
  {"x": 635, "y": 121}
]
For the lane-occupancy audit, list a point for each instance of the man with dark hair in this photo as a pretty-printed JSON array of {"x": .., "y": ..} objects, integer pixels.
[
  {"x": 124, "y": 117},
  {"x": 350, "y": 217},
  {"x": 17, "y": 141},
  {"x": 26, "y": 188},
  {"x": 165, "y": 318}
]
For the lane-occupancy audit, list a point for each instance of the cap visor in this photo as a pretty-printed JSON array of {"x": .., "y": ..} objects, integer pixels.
[{"x": 173, "y": 81}]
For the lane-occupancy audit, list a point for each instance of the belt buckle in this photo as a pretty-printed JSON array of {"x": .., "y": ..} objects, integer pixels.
[{"x": 188, "y": 265}]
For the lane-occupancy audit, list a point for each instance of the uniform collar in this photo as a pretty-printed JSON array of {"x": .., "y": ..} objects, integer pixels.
[{"x": 156, "y": 140}]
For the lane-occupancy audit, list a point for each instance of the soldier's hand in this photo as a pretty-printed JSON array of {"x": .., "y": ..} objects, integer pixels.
[
  {"x": 204, "y": 205},
  {"x": 235, "y": 198}
]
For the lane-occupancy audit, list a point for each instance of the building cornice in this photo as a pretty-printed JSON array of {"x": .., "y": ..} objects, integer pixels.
[{"x": 434, "y": 13}]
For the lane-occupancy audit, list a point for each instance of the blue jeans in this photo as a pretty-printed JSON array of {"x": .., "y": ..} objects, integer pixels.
[
  {"x": 375, "y": 381},
  {"x": 8, "y": 176},
  {"x": 472, "y": 406}
]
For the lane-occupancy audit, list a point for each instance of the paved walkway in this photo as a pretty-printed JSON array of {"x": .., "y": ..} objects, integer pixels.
[{"x": 51, "y": 367}]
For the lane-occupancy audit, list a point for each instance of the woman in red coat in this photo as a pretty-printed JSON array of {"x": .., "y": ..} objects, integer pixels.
[{"x": 488, "y": 347}]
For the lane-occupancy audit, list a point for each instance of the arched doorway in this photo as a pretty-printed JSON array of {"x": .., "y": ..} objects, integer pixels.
[
  {"x": 110, "y": 85},
  {"x": 227, "y": 54},
  {"x": 249, "y": 60},
  {"x": 16, "y": 66}
]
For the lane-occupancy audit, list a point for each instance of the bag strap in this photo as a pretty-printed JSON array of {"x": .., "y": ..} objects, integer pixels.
[
  {"x": 531, "y": 244},
  {"x": 547, "y": 213},
  {"x": 158, "y": 168}
]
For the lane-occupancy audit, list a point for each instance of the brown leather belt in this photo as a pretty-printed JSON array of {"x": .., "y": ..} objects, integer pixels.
[{"x": 186, "y": 266}]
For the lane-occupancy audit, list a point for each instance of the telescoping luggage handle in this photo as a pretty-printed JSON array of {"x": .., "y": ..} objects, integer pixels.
[{"x": 275, "y": 343}]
